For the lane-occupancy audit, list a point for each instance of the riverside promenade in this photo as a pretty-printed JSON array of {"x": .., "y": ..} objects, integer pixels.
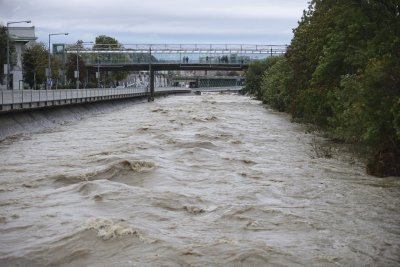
[{"x": 11, "y": 100}]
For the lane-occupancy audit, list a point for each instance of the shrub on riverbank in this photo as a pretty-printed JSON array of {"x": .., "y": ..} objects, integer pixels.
[{"x": 342, "y": 73}]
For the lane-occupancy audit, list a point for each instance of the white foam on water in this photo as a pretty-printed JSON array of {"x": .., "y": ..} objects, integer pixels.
[{"x": 110, "y": 228}]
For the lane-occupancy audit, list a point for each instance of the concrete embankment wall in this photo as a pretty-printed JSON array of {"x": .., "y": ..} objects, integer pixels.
[{"x": 14, "y": 124}]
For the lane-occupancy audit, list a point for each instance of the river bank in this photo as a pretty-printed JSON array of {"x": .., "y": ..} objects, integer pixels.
[{"x": 17, "y": 123}]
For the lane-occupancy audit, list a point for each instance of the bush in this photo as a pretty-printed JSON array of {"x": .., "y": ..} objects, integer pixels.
[
  {"x": 275, "y": 84},
  {"x": 254, "y": 74}
]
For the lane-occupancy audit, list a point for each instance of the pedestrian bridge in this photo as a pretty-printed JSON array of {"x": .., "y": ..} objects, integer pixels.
[
  {"x": 157, "y": 57},
  {"x": 172, "y": 56}
]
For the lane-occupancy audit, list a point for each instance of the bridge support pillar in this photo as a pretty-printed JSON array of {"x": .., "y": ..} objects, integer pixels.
[{"x": 151, "y": 85}]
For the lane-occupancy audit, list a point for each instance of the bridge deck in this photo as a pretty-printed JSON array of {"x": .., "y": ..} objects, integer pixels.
[{"x": 166, "y": 66}]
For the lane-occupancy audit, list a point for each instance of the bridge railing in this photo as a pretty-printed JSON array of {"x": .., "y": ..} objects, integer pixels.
[
  {"x": 175, "y": 53},
  {"x": 8, "y": 97},
  {"x": 14, "y": 97}
]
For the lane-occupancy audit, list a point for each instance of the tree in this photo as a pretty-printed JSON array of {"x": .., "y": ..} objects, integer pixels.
[
  {"x": 104, "y": 42},
  {"x": 34, "y": 64},
  {"x": 3, "y": 51},
  {"x": 275, "y": 84},
  {"x": 254, "y": 74},
  {"x": 72, "y": 61},
  {"x": 344, "y": 75}
]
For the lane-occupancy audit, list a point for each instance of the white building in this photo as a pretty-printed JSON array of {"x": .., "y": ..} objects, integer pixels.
[{"x": 21, "y": 36}]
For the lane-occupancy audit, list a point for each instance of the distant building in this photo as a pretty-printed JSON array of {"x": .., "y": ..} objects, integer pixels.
[{"x": 21, "y": 36}]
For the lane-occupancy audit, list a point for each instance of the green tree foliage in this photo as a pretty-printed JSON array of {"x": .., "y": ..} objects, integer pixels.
[
  {"x": 275, "y": 85},
  {"x": 104, "y": 42},
  {"x": 72, "y": 61},
  {"x": 342, "y": 73},
  {"x": 34, "y": 64},
  {"x": 107, "y": 43},
  {"x": 3, "y": 51},
  {"x": 254, "y": 76}
]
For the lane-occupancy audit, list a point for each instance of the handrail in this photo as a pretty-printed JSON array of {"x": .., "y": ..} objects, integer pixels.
[
  {"x": 142, "y": 54},
  {"x": 14, "y": 97}
]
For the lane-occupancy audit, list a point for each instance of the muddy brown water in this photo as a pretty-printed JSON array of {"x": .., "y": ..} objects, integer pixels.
[{"x": 210, "y": 180}]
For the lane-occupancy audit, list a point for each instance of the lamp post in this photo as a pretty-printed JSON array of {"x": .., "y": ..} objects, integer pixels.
[
  {"x": 98, "y": 70},
  {"x": 8, "y": 49},
  {"x": 77, "y": 60},
  {"x": 49, "y": 69}
]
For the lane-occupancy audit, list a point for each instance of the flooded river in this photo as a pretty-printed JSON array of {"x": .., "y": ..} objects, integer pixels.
[{"x": 210, "y": 180}]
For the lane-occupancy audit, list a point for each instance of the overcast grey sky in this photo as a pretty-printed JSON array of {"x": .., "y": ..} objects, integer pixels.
[{"x": 159, "y": 21}]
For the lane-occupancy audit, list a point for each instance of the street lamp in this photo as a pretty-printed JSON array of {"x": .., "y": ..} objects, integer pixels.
[
  {"x": 49, "y": 69},
  {"x": 98, "y": 70},
  {"x": 77, "y": 60},
  {"x": 8, "y": 48}
]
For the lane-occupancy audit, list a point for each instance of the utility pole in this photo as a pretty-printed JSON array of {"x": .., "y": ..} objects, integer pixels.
[
  {"x": 78, "y": 44},
  {"x": 151, "y": 85},
  {"x": 49, "y": 68}
]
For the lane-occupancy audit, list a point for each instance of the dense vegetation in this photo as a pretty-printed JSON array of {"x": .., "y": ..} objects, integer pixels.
[
  {"x": 3, "y": 52},
  {"x": 35, "y": 62},
  {"x": 104, "y": 42},
  {"x": 341, "y": 72}
]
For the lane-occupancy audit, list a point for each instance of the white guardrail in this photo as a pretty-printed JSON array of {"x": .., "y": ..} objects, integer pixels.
[
  {"x": 30, "y": 99},
  {"x": 11, "y": 97}
]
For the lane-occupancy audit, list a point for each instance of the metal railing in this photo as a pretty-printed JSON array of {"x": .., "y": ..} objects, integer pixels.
[
  {"x": 30, "y": 96},
  {"x": 167, "y": 48},
  {"x": 13, "y": 97},
  {"x": 99, "y": 54}
]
